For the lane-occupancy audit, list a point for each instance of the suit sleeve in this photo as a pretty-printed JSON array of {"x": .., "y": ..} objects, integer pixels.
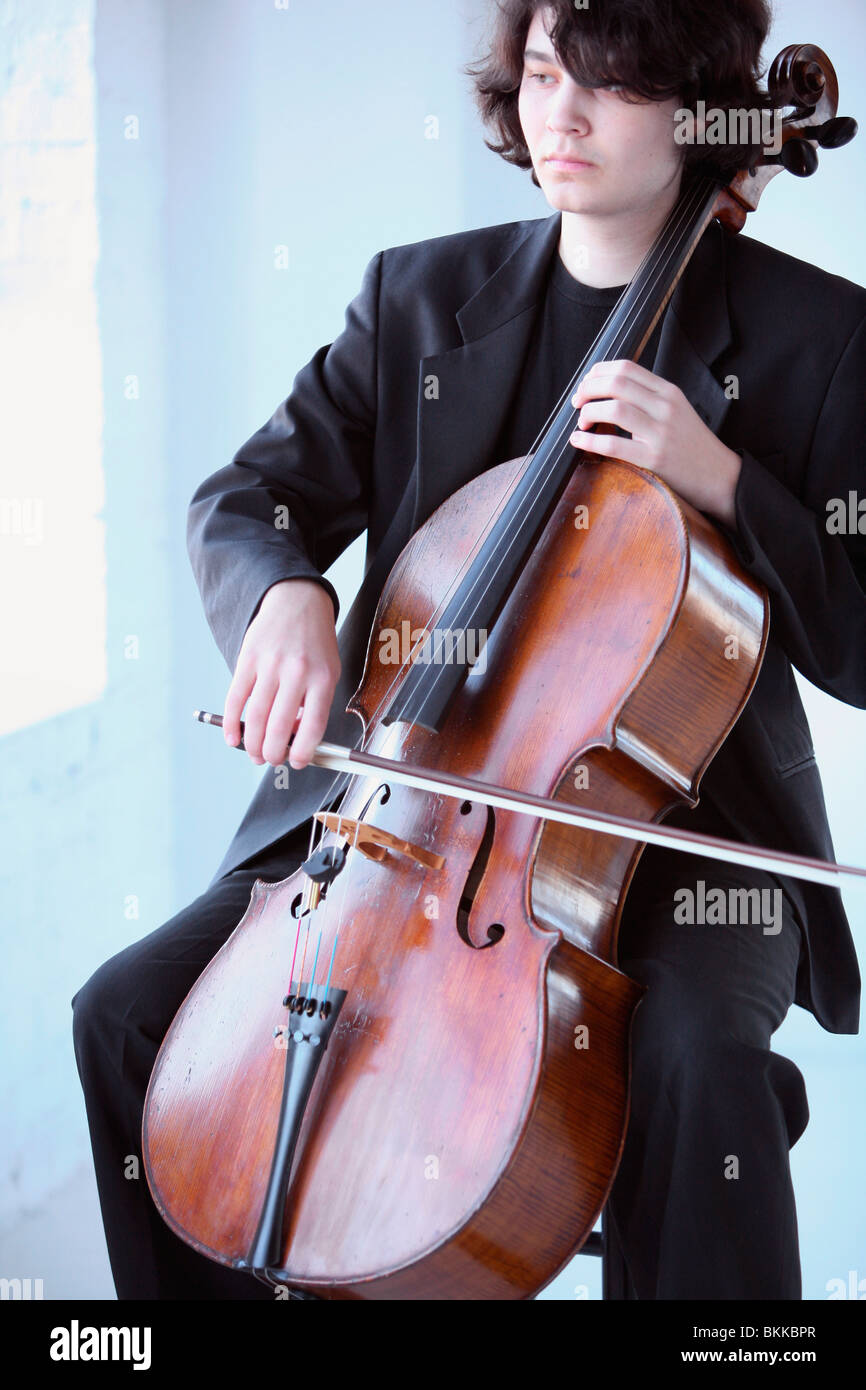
[
  {"x": 816, "y": 579},
  {"x": 297, "y": 493}
]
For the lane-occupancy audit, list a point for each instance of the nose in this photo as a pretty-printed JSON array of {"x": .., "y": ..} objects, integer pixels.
[{"x": 567, "y": 114}]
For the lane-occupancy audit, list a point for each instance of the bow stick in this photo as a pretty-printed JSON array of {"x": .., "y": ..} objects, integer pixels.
[{"x": 336, "y": 758}]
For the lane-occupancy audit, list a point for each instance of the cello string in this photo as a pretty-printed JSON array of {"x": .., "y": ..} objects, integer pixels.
[
  {"x": 314, "y": 964},
  {"x": 304, "y": 909},
  {"x": 689, "y": 206},
  {"x": 350, "y": 862},
  {"x": 320, "y": 830},
  {"x": 673, "y": 230},
  {"x": 343, "y": 896},
  {"x": 488, "y": 575},
  {"x": 663, "y": 250}
]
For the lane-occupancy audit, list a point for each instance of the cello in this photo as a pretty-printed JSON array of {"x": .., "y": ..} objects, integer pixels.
[{"x": 405, "y": 1075}]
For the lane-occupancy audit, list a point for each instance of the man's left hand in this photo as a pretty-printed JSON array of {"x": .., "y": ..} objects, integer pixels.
[{"x": 667, "y": 436}]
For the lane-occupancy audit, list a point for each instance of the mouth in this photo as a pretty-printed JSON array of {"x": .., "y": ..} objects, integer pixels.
[{"x": 567, "y": 162}]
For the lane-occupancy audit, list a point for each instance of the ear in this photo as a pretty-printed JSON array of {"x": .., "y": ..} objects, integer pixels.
[
  {"x": 687, "y": 130},
  {"x": 690, "y": 121}
]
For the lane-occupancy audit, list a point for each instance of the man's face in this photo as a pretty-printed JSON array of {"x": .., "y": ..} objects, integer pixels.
[{"x": 615, "y": 155}]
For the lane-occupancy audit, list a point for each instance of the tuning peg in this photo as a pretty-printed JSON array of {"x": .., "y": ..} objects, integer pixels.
[
  {"x": 833, "y": 134},
  {"x": 799, "y": 158}
]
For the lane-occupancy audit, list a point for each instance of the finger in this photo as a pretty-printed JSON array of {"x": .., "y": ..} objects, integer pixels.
[
  {"x": 238, "y": 693},
  {"x": 620, "y": 413},
  {"x": 282, "y": 720},
  {"x": 258, "y": 709},
  {"x": 317, "y": 707},
  {"x": 625, "y": 368},
  {"x": 618, "y": 387},
  {"x": 609, "y": 446}
]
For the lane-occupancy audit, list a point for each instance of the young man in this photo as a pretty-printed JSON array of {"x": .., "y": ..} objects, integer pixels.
[{"x": 501, "y": 317}]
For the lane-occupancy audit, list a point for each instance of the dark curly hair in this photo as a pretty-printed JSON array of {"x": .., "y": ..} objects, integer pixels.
[{"x": 655, "y": 49}]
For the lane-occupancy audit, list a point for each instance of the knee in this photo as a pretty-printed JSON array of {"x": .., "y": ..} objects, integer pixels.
[
  {"x": 99, "y": 1006},
  {"x": 677, "y": 1028},
  {"x": 692, "y": 1058},
  {"x": 685, "y": 1041},
  {"x": 674, "y": 1057}
]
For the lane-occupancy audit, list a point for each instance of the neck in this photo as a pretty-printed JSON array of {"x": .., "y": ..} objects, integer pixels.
[{"x": 601, "y": 249}]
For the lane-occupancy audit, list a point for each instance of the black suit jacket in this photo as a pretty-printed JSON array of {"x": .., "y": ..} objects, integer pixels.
[{"x": 358, "y": 444}]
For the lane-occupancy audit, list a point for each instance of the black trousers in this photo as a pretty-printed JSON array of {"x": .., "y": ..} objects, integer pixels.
[{"x": 702, "y": 1205}]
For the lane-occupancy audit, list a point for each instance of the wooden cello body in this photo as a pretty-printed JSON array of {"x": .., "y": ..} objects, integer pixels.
[{"x": 470, "y": 1110}]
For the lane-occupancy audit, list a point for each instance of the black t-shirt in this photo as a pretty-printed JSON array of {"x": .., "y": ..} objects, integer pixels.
[{"x": 568, "y": 322}]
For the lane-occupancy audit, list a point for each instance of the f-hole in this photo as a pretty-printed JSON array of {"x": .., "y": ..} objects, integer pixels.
[{"x": 496, "y": 930}]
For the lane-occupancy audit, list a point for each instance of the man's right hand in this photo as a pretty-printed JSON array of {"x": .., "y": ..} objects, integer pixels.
[{"x": 286, "y": 674}]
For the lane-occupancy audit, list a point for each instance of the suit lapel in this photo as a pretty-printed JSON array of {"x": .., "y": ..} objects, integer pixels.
[
  {"x": 464, "y": 395},
  {"x": 697, "y": 330}
]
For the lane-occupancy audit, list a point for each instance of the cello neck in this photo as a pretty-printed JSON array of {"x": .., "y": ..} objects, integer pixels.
[
  {"x": 426, "y": 691},
  {"x": 643, "y": 301}
]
